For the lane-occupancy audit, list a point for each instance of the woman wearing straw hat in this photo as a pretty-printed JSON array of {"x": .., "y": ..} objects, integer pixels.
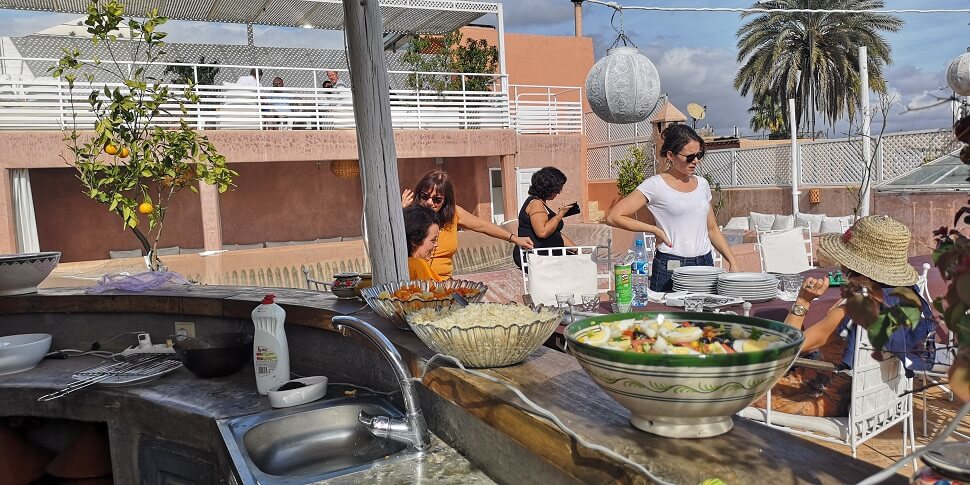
[{"x": 874, "y": 253}]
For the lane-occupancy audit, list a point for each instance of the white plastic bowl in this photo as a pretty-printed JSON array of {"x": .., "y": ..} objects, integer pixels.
[
  {"x": 21, "y": 273},
  {"x": 315, "y": 388},
  {"x": 22, "y": 352}
]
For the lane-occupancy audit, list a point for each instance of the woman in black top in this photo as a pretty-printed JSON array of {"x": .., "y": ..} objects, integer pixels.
[{"x": 536, "y": 220}]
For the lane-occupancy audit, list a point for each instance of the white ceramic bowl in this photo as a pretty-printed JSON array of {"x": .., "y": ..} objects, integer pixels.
[
  {"x": 21, "y": 273},
  {"x": 685, "y": 396},
  {"x": 22, "y": 352},
  {"x": 315, "y": 388}
]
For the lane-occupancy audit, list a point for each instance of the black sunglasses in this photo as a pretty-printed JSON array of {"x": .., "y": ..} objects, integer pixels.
[
  {"x": 436, "y": 199},
  {"x": 693, "y": 156}
]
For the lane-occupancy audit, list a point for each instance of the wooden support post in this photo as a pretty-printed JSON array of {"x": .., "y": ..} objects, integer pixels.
[
  {"x": 211, "y": 217},
  {"x": 383, "y": 218}
]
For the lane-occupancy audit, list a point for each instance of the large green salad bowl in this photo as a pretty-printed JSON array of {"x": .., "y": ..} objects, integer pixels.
[{"x": 685, "y": 396}]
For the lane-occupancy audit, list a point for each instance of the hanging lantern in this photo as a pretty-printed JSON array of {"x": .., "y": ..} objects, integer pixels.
[
  {"x": 345, "y": 168},
  {"x": 623, "y": 87},
  {"x": 958, "y": 75}
]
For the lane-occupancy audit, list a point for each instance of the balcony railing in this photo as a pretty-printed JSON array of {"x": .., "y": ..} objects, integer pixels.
[{"x": 37, "y": 103}]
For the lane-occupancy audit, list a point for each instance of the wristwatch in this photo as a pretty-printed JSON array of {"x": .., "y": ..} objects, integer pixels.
[{"x": 799, "y": 310}]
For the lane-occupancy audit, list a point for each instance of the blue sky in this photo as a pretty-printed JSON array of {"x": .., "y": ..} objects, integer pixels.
[{"x": 694, "y": 52}]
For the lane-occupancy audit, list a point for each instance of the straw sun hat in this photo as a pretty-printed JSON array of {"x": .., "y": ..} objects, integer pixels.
[{"x": 875, "y": 246}]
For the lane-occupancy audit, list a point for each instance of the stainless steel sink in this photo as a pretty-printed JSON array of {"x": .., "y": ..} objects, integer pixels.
[{"x": 311, "y": 442}]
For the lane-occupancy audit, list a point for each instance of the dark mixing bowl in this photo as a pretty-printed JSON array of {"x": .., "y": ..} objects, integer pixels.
[{"x": 215, "y": 355}]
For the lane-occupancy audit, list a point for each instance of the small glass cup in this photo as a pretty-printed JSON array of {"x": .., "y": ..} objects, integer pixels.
[
  {"x": 694, "y": 303},
  {"x": 791, "y": 284},
  {"x": 591, "y": 302},
  {"x": 565, "y": 301}
]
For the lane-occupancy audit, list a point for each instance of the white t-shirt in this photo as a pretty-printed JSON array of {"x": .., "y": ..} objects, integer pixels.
[{"x": 682, "y": 215}]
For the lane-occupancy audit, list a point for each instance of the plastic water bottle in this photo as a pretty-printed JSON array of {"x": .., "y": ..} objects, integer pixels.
[{"x": 639, "y": 274}]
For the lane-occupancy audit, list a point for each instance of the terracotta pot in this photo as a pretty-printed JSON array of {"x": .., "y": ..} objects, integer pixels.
[
  {"x": 88, "y": 456},
  {"x": 20, "y": 462}
]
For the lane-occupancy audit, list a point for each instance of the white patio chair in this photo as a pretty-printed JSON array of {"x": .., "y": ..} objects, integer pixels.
[
  {"x": 544, "y": 273},
  {"x": 787, "y": 251},
  {"x": 878, "y": 401},
  {"x": 945, "y": 354},
  {"x": 313, "y": 283}
]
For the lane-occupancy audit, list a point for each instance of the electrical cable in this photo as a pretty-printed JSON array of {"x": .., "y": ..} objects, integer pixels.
[
  {"x": 932, "y": 446},
  {"x": 539, "y": 410},
  {"x": 617, "y": 6}
]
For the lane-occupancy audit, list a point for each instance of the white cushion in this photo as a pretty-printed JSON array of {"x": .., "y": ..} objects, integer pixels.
[
  {"x": 761, "y": 222},
  {"x": 570, "y": 273},
  {"x": 783, "y": 222},
  {"x": 811, "y": 221},
  {"x": 835, "y": 224},
  {"x": 784, "y": 252},
  {"x": 737, "y": 223}
]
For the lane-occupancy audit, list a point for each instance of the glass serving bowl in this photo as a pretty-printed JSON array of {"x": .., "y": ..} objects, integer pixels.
[
  {"x": 480, "y": 346},
  {"x": 381, "y": 298}
]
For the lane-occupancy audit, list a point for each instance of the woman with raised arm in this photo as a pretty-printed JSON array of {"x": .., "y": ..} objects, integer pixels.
[
  {"x": 680, "y": 201},
  {"x": 537, "y": 221},
  {"x": 436, "y": 192}
]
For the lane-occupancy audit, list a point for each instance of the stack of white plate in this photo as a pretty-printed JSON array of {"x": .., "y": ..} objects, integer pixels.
[
  {"x": 753, "y": 287},
  {"x": 696, "y": 279}
]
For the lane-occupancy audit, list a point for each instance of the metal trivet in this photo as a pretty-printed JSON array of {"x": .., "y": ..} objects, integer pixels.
[{"x": 123, "y": 371}]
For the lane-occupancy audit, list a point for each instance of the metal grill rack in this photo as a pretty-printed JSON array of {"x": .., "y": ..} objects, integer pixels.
[{"x": 122, "y": 371}]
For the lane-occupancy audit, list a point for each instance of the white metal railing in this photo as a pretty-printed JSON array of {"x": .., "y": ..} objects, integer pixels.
[
  {"x": 44, "y": 103},
  {"x": 547, "y": 109}
]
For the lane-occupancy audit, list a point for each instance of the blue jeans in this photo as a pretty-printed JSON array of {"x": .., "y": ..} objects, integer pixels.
[{"x": 661, "y": 278}]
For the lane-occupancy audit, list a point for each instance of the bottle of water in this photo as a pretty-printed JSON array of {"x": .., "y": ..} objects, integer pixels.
[{"x": 640, "y": 278}]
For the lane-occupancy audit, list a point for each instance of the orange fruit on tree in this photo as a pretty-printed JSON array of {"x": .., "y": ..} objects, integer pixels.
[
  {"x": 111, "y": 149},
  {"x": 124, "y": 152},
  {"x": 146, "y": 208}
]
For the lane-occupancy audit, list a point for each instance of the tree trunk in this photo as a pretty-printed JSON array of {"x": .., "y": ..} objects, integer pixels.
[{"x": 383, "y": 217}]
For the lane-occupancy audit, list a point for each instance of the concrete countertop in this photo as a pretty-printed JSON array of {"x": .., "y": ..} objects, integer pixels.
[{"x": 750, "y": 453}]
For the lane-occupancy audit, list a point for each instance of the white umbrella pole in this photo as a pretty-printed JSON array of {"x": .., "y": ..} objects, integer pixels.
[
  {"x": 866, "y": 135},
  {"x": 795, "y": 169}
]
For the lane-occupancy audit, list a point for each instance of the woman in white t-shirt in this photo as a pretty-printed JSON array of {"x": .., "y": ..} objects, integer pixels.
[{"x": 686, "y": 229}]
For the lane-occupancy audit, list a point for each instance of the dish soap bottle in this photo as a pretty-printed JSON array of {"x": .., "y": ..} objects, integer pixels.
[{"x": 271, "y": 355}]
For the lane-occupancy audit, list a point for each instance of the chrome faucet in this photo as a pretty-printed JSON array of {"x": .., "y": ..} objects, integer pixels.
[{"x": 411, "y": 430}]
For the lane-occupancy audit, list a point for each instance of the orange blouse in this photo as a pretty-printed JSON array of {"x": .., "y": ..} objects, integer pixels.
[
  {"x": 419, "y": 269},
  {"x": 441, "y": 259}
]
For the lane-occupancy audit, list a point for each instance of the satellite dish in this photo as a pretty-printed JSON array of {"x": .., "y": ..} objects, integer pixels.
[{"x": 696, "y": 111}]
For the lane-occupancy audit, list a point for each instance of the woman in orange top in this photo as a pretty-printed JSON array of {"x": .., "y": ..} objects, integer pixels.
[
  {"x": 421, "y": 230},
  {"x": 436, "y": 192}
]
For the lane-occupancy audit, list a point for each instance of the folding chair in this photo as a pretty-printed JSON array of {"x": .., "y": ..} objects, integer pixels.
[
  {"x": 314, "y": 284},
  {"x": 879, "y": 400},
  {"x": 787, "y": 251},
  {"x": 547, "y": 271}
]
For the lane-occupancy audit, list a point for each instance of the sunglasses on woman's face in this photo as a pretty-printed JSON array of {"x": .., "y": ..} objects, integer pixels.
[
  {"x": 693, "y": 156},
  {"x": 436, "y": 199}
]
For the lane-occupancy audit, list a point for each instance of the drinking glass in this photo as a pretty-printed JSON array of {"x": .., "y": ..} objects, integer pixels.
[
  {"x": 791, "y": 284},
  {"x": 565, "y": 301},
  {"x": 591, "y": 302},
  {"x": 694, "y": 303}
]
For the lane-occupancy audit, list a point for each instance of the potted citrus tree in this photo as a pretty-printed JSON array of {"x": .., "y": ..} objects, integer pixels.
[{"x": 140, "y": 151}]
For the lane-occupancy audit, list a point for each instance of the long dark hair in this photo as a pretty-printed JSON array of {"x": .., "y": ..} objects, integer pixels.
[
  {"x": 439, "y": 181},
  {"x": 676, "y": 137},
  {"x": 417, "y": 220},
  {"x": 547, "y": 181}
]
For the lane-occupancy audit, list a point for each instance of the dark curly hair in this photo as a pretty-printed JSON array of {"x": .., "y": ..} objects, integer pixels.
[
  {"x": 676, "y": 137},
  {"x": 417, "y": 220},
  {"x": 547, "y": 181},
  {"x": 439, "y": 181}
]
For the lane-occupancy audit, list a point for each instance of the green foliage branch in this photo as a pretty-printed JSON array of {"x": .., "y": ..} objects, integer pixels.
[
  {"x": 152, "y": 163},
  {"x": 631, "y": 171},
  {"x": 446, "y": 53}
]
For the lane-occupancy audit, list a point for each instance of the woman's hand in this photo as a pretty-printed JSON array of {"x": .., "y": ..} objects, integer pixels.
[
  {"x": 662, "y": 237},
  {"x": 563, "y": 210},
  {"x": 813, "y": 288},
  {"x": 407, "y": 198},
  {"x": 523, "y": 242}
]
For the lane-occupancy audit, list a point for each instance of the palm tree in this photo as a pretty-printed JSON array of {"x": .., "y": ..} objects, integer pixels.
[
  {"x": 767, "y": 115},
  {"x": 822, "y": 47}
]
